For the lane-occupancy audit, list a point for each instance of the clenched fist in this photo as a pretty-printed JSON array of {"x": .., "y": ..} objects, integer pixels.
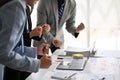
[
  {"x": 36, "y": 31},
  {"x": 45, "y": 28},
  {"x": 57, "y": 43},
  {"x": 80, "y": 27},
  {"x": 43, "y": 49},
  {"x": 45, "y": 62}
]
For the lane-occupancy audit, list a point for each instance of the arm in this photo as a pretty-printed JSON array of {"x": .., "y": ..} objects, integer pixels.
[
  {"x": 42, "y": 17},
  {"x": 70, "y": 24},
  {"x": 28, "y": 51},
  {"x": 38, "y": 32}
]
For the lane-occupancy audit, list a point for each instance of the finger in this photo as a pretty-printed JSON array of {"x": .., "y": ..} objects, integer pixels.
[
  {"x": 44, "y": 25},
  {"x": 49, "y": 57},
  {"x": 46, "y": 47},
  {"x": 45, "y": 54},
  {"x": 82, "y": 25},
  {"x": 40, "y": 29}
]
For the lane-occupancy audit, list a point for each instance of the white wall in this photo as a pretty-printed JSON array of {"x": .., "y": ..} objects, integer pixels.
[{"x": 102, "y": 24}]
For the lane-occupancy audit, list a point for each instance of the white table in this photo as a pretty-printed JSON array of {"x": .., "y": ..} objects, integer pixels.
[
  {"x": 41, "y": 73},
  {"x": 107, "y": 67}
]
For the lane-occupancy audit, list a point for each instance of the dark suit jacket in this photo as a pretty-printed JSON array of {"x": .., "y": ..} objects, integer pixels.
[
  {"x": 27, "y": 39},
  {"x": 27, "y": 29}
]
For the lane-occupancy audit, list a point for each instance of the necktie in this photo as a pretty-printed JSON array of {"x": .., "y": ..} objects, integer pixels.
[
  {"x": 22, "y": 45},
  {"x": 22, "y": 40},
  {"x": 28, "y": 26},
  {"x": 60, "y": 9}
]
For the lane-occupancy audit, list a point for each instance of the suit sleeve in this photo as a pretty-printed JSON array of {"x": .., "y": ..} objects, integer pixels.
[
  {"x": 29, "y": 51},
  {"x": 12, "y": 17},
  {"x": 70, "y": 23},
  {"x": 42, "y": 16}
]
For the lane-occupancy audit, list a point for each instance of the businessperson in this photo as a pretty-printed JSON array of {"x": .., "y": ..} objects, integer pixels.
[
  {"x": 28, "y": 34},
  {"x": 56, "y": 13},
  {"x": 12, "y": 21}
]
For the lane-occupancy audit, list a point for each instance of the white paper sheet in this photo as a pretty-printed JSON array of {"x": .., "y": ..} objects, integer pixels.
[{"x": 76, "y": 49}]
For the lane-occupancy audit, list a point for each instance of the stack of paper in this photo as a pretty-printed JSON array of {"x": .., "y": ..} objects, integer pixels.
[{"x": 76, "y": 50}]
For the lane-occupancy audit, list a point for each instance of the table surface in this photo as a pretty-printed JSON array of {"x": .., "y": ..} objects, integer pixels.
[{"x": 107, "y": 67}]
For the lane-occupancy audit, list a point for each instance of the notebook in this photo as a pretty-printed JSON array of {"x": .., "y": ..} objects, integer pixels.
[{"x": 75, "y": 64}]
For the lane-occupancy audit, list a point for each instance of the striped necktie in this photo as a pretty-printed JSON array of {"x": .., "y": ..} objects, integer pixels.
[{"x": 60, "y": 9}]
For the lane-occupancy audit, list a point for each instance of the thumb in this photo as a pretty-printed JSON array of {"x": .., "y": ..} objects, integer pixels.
[
  {"x": 45, "y": 55},
  {"x": 40, "y": 29}
]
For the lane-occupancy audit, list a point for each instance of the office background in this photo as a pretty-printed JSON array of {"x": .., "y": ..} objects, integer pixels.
[{"x": 102, "y": 22}]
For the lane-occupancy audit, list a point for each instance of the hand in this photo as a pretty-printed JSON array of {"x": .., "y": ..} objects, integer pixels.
[
  {"x": 43, "y": 49},
  {"x": 36, "y": 31},
  {"x": 45, "y": 62},
  {"x": 57, "y": 43},
  {"x": 80, "y": 27},
  {"x": 46, "y": 28}
]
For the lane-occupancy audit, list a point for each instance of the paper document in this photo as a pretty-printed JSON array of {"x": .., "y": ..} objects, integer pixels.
[
  {"x": 76, "y": 49},
  {"x": 73, "y": 50}
]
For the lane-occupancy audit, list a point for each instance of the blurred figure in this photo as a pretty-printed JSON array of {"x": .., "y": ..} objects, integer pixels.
[
  {"x": 56, "y": 13},
  {"x": 12, "y": 20},
  {"x": 28, "y": 35}
]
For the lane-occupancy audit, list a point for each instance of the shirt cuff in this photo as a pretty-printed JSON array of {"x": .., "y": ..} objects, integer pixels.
[{"x": 76, "y": 34}]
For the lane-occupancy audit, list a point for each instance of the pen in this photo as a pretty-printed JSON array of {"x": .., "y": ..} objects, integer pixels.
[
  {"x": 102, "y": 78},
  {"x": 71, "y": 75}
]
